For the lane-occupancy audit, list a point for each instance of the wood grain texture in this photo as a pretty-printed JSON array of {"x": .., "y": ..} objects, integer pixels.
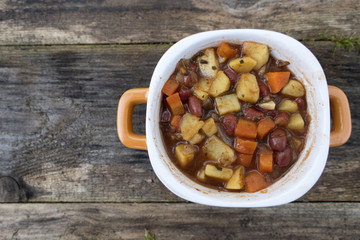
[
  {"x": 192, "y": 221},
  {"x": 58, "y": 124},
  {"x": 25, "y": 22}
]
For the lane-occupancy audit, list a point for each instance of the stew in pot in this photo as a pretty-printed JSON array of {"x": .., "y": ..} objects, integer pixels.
[{"x": 233, "y": 117}]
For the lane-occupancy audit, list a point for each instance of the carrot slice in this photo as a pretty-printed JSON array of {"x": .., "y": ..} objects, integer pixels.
[
  {"x": 175, "y": 122},
  {"x": 175, "y": 104},
  {"x": 254, "y": 181},
  {"x": 245, "y": 146},
  {"x": 244, "y": 159},
  {"x": 266, "y": 161},
  {"x": 245, "y": 128},
  {"x": 265, "y": 126},
  {"x": 225, "y": 50},
  {"x": 277, "y": 80},
  {"x": 170, "y": 87}
]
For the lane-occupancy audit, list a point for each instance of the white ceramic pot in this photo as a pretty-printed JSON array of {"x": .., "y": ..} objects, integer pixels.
[{"x": 302, "y": 175}]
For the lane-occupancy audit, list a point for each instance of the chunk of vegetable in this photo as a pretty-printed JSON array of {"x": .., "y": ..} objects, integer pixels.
[
  {"x": 209, "y": 127},
  {"x": 175, "y": 104},
  {"x": 254, "y": 181},
  {"x": 189, "y": 126},
  {"x": 265, "y": 125},
  {"x": 270, "y": 105},
  {"x": 170, "y": 86},
  {"x": 201, "y": 94},
  {"x": 266, "y": 161},
  {"x": 225, "y": 50},
  {"x": 227, "y": 103},
  {"x": 296, "y": 142},
  {"x": 217, "y": 150},
  {"x": 294, "y": 89},
  {"x": 201, "y": 88},
  {"x": 288, "y": 106},
  {"x": 245, "y": 146},
  {"x": 245, "y": 128},
  {"x": 296, "y": 122},
  {"x": 175, "y": 122},
  {"x": 185, "y": 154},
  {"x": 220, "y": 84},
  {"x": 201, "y": 175},
  {"x": 244, "y": 159},
  {"x": 258, "y": 51},
  {"x": 197, "y": 139},
  {"x": 277, "y": 80},
  {"x": 243, "y": 65},
  {"x": 218, "y": 172},
  {"x": 247, "y": 88},
  {"x": 208, "y": 64},
  {"x": 237, "y": 180}
]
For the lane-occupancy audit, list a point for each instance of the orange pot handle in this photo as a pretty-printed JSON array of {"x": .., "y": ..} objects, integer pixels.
[
  {"x": 340, "y": 110},
  {"x": 127, "y": 102}
]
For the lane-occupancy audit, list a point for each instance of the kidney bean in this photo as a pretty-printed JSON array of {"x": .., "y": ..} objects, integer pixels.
[
  {"x": 264, "y": 90},
  {"x": 232, "y": 75},
  {"x": 301, "y": 103},
  {"x": 253, "y": 114},
  {"x": 193, "y": 66},
  {"x": 277, "y": 140},
  {"x": 229, "y": 123},
  {"x": 195, "y": 106},
  {"x": 190, "y": 79},
  {"x": 283, "y": 158},
  {"x": 184, "y": 94},
  {"x": 187, "y": 81},
  {"x": 282, "y": 119},
  {"x": 271, "y": 113},
  {"x": 165, "y": 117}
]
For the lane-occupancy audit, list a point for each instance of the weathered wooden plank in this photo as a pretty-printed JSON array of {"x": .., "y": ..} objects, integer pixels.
[
  {"x": 87, "y": 22},
  {"x": 192, "y": 221},
  {"x": 58, "y": 135}
]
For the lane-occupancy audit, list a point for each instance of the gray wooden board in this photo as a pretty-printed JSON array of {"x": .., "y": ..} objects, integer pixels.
[
  {"x": 111, "y": 21},
  {"x": 179, "y": 221},
  {"x": 58, "y": 138}
]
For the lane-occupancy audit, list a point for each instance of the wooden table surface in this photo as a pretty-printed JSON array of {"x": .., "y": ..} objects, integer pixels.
[{"x": 65, "y": 175}]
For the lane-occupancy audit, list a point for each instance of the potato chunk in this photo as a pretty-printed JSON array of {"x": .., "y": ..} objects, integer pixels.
[
  {"x": 197, "y": 138},
  {"x": 247, "y": 88},
  {"x": 257, "y": 51},
  {"x": 185, "y": 154},
  {"x": 270, "y": 105},
  {"x": 227, "y": 103},
  {"x": 289, "y": 106},
  {"x": 218, "y": 172},
  {"x": 237, "y": 180},
  {"x": 244, "y": 64},
  {"x": 201, "y": 175},
  {"x": 296, "y": 122},
  {"x": 294, "y": 89},
  {"x": 189, "y": 126},
  {"x": 208, "y": 64},
  {"x": 209, "y": 127},
  {"x": 220, "y": 85},
  {"x": 217, "y": 150},
  {"x": 201, "y": 88}
]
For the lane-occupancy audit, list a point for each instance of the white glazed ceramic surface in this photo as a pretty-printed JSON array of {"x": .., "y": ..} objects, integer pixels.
[{"x": 303, "y": 174}]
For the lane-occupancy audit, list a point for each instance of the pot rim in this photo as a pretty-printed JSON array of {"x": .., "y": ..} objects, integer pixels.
[{"x": 301, "y": 176}]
